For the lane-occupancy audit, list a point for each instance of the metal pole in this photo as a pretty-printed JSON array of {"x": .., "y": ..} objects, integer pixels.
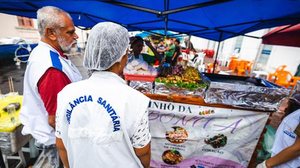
[
  {"x": 166, "y": 4},
  {"x": 217, "y": 53},
  {"x": 258, "y": 54},
  {"x": 188, "y": 42},
  {"x": 135, "y": 7},
  {"x": 195, "y": 6},
  {"x": 1, "y": 160}
]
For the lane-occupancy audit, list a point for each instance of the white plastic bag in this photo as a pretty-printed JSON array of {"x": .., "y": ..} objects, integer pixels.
[{"x": 49, "y": 158}]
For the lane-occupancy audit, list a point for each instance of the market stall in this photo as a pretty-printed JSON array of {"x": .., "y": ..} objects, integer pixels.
[{"x": 206, "y": 120}]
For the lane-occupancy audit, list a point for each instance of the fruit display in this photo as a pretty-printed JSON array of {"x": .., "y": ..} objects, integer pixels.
[
  {"x": 177, "y": 70},
  {"x": 189, "y": 79}
]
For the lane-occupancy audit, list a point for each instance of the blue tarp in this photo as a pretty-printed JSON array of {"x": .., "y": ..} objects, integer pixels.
[
  {"x": 211, "y": 19},
  {"x": 144, "y": 34}
]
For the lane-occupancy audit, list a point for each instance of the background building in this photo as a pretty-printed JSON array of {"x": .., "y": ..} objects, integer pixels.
[
  {"x": 267, "y": 57},
  {"x": 26, "y": 28}
]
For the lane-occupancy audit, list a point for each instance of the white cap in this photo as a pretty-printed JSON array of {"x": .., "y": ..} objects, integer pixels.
[{"x": 106, "y": 45}]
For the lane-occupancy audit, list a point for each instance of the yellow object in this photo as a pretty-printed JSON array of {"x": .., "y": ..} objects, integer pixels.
[
  {"x": 233, "y": 63},
  {"x": 294, "y": 80},
  {"x": 283, "y": 78},
  {"x": 9, "y": 121},
  {"x": 243, "y": 67},
  {"x": 150, "y": 52}
]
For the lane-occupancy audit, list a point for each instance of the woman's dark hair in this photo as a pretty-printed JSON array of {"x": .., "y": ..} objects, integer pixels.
[
  {"x": 135, "y": 39},
  {"x": 293, "y": 104}
]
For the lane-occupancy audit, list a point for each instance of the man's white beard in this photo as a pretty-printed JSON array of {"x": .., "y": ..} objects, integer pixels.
[{"x": 67, "y": 48}]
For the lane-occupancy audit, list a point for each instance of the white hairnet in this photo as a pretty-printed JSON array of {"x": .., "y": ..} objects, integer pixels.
[{"x": 106, "y": 45}]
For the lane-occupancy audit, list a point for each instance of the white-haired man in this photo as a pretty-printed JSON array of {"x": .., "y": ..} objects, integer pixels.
[{"x": 48, "y": 71}]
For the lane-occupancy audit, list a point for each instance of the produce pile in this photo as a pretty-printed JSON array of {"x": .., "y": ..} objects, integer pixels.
[{"x": 188, "y": 78}]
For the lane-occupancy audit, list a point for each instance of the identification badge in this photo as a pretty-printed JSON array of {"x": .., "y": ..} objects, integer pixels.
[{"x": 297, "y": 130}]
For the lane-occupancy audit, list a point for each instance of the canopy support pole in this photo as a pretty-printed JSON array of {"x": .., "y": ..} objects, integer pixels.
[
  {"x": 166, "y": 7},
  {"x": 258, "y": 54},
  {"x": 134, "y": 7},
  {"x": 217, "y": 53},
  {"x": 189, "y": 41},
  {"x": 190, "y": 7}
]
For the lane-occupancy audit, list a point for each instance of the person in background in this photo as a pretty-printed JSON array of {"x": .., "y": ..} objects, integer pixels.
[
  {"x": 161, "y": 48},
  {"x": 286, "y": 147},
  {"x": 170, "y": 51},
  {"x": 189, "y": 45},
  {"x": 176, "y": 52},
  {"x": 105, "y": 122},
  {"x": 136, "y": 46},
  {"x": 47, "y": 72}
]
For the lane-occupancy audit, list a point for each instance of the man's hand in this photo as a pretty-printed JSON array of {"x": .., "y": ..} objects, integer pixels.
[
  {"x": 62, "y": 152},
  {"x": 144, "y": 154},
  {"x": 51, "y": 121}
]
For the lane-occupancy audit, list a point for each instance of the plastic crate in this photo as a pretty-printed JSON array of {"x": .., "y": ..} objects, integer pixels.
[{"x": 147, "y": 78}]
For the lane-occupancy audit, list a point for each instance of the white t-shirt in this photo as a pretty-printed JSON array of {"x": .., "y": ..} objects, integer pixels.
[
  {"x": 286, "y": 137},
  {"x": 131, "y": 57},
  {"x": 100, "y": 120},
  {"x": 33, "y": 114}
]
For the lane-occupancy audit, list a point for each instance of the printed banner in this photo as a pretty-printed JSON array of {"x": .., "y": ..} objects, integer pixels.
[{"x": 193, "y": 136}]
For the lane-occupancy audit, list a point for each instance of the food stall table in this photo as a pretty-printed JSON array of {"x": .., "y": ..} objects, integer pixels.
[
  {"x": 219, "y": 126},
  {"x": 207, "y": 120}
]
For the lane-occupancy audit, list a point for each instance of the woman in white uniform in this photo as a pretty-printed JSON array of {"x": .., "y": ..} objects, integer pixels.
[
  {"x": 101, "y": 121},
  {"x": 286, "y": 147}
]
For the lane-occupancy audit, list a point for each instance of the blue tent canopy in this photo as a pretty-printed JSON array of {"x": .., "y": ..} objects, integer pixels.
[{"x": 211, "y": 19}]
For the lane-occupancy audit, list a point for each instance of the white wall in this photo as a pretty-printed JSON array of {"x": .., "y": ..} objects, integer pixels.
[
  {"x": 10, "y": 28},
  {"x": 282, "y": 55},
  {"x": 250, "y": 45},
  {"x": 227, "y": 49},
  {"x": 200, "y": 43}
]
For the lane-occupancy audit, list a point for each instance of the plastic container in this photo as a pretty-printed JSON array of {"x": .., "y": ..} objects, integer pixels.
[
  {"x": 12, "y": 142},
  {"x": 9, "y": 113},
  {"x": 134, "y": 77}
]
